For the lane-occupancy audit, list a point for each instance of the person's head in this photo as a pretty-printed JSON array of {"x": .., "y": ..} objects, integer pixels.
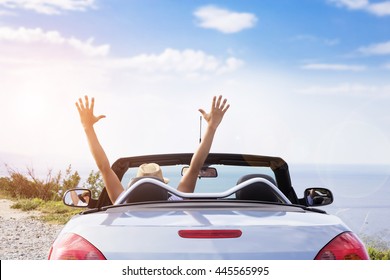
[
  {"x": 151, "y": 169},
  {"x": 84, "y": 197}
]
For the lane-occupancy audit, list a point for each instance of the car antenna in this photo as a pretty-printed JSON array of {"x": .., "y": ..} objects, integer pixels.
[
  {"x": 200, "y": 129},
  {"x": 200, "y": 139}
]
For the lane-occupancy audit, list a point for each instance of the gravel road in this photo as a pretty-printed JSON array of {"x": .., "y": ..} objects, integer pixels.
[{"x": 22, "y": 235}]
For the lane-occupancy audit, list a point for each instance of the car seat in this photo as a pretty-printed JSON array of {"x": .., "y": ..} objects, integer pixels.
[
  {"x": 258, "y": 191},
  {"x": 147, "y": 191}
]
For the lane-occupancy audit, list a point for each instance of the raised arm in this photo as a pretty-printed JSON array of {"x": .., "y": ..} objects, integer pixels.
[
  {"x": 74, "y": 197},
  {"x": 88, "y": 119},
  {"x": 214, "y": 118}
]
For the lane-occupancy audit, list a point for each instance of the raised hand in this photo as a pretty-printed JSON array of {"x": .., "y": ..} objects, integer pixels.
[
  {"x": 217, "y": 111},
  {"x": 87, "y": 117}
]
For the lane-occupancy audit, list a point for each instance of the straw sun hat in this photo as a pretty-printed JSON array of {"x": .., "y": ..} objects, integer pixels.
[{"x": 151, "y": 169}]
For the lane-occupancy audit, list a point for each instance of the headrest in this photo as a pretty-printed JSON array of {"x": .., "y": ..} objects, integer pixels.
[
  {"x": 147, "y": 191},
  {"x": 258, "y": 191}
]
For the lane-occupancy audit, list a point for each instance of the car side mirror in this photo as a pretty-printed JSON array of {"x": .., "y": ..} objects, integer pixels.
[
  {"x": 318, "y": 197},
  {"x": 77, "y": 198},
  {"x": 205, "y": 172}
]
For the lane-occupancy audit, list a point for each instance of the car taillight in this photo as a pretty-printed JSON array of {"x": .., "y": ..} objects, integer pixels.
[
  {"x": 210, "y": 233},
  {"x": 74, "y": 247},
  {"x": 345, "y": 246}
]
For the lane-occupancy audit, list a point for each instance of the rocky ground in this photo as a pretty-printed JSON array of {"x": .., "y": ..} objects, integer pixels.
[{"x": 22, "y": 235}]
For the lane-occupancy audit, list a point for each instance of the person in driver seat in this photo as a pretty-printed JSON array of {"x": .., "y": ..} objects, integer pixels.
[
  {"x": 188, "y": 181},
  {"x": 83, "y": 199}
]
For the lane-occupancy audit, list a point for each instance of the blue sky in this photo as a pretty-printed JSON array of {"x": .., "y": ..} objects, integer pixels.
[{"x": 307, "y": 80}]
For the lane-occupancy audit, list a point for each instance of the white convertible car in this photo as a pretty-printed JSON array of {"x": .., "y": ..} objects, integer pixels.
[{"x": 244, "y": 207}]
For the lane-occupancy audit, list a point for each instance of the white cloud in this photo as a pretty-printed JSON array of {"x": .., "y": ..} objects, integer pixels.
[
  {"x": 180, "y": 62},
  {"x": 88, "y": 48},
  {"x": 170, "y": 62},
  {"x": 351, "y": 4},
  {"x": 376, "y": 49},
  {"x": 378, "y": 9},
  {"x": 224, "y": 20},
  {"x": 347, "y": 89},
  {"x": 49, "y": 7},
  {"x": 334, "y": 67},
  {"x": 37, "y": 35}
]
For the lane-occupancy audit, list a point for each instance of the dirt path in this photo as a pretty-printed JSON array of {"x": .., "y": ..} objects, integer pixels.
[{"x": 22, "y": 235}]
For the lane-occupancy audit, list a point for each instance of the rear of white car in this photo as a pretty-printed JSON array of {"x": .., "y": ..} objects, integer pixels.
[
  {"x": 207, "y": 230},
  {"x": 244, "y": 208}
]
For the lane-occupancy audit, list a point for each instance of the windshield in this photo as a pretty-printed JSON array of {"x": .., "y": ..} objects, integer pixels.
[{"x": 227, "y": 177}]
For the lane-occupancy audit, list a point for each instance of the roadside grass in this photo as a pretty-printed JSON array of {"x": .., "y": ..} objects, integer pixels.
[
  {"x": 377, "y": 247},
  {"x": 54, "y": 212},
  {"x": 377, "y": 254}
]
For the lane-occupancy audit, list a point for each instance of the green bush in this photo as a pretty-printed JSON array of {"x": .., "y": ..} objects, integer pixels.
[
  {"x": 45, "y": 195},
  {"x": 377, "y": 254},
  {"x": 378, "y": 246},
  {"x": 21, "y": 186}
]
